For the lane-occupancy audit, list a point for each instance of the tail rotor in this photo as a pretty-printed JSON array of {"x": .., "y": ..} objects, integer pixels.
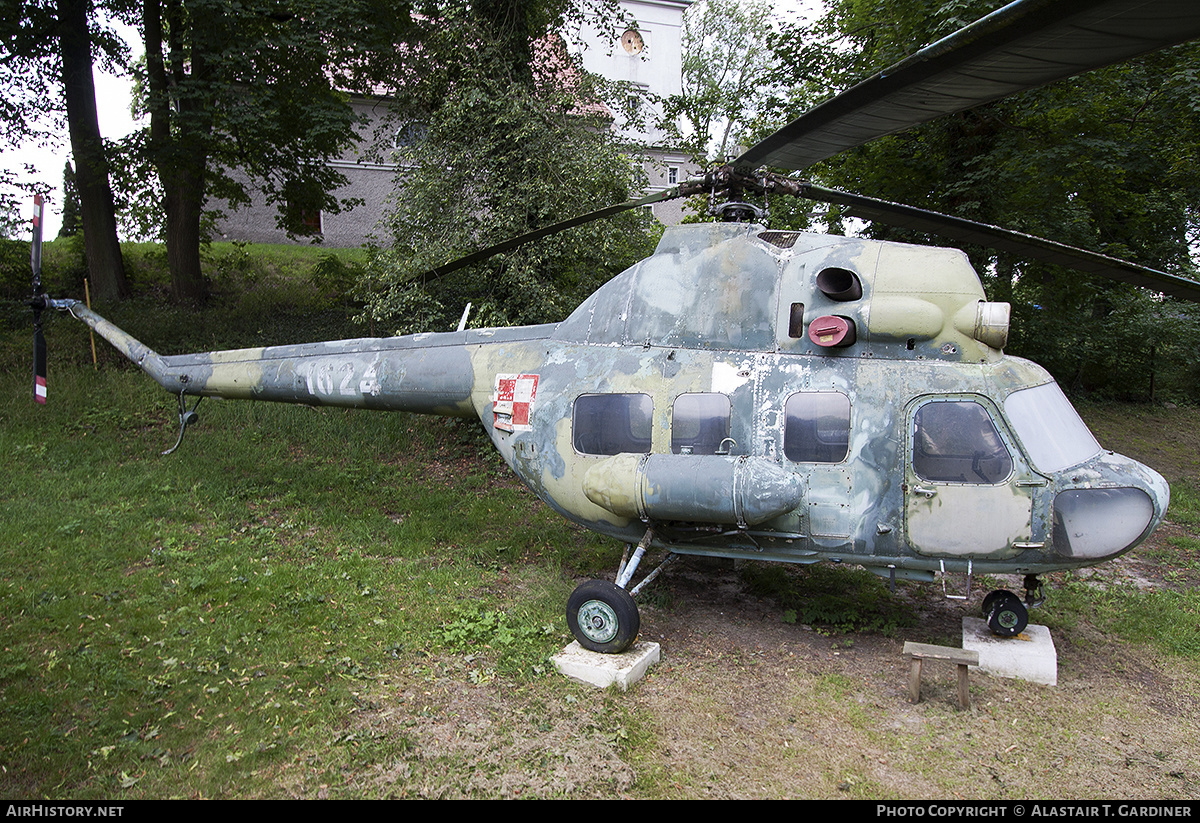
[{"x": 38, "y": 303}]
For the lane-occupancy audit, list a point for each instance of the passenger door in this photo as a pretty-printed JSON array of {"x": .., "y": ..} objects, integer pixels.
[{"x": 968, "y": 492}]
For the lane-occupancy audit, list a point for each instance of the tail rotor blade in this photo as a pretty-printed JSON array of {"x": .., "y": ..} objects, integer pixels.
[
  {"x": 39, "y": 363},
  {"x": 38, "y": 304}
]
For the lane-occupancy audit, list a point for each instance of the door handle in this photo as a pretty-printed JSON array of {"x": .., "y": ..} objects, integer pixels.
[{"x": 924, "y": 491}]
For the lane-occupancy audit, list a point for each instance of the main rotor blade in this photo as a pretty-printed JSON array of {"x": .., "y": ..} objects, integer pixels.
[
  {"x": 1023, "y": 45},
  {"x": 1026, "y": 245},
  {"x": 684, "y": 190}
]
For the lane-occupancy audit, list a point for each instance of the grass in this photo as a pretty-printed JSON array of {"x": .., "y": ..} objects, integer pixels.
[
  {"x": 200, "y": 624},
  {"x": 189, "y": 625},
  {"x": 1167, "y": 619},
  {"x": 322, "y": 603}
]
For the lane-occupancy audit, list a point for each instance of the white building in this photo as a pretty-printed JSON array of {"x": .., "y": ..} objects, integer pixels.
[
  {"x": 648, "y": 56},
  {"x": 651, "y": 58}
]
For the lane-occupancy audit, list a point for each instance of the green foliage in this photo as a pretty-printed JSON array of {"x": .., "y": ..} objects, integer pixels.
[
  {"x": 15, "y": 273},
  {"x": 197, "y": 625},
  {"x": 264, "y": 294},
  {"x": 514, "y": 144},
  {"x": 1185, "y": 504},
  {"x": 63, "y": 267},
  {"x": 725, "y": 60},
  {"x": 10, "y": 221},
  {"x": 251, "y": 102},
  {"x": 263, "y": 89},
  {"x": 1099, "y": 161},
  {"x": 333, "y": 273},
  {"x": 518, "y": 644},
  {"x": 31, "y": 107},
  {"x": 1167, "y": 619}
]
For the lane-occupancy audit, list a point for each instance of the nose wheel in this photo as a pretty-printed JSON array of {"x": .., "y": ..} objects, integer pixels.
[{"x": 1005, "y": 614}]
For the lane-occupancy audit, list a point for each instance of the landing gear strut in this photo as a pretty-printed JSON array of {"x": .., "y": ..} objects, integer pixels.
[{"x": 602, "y": 615}]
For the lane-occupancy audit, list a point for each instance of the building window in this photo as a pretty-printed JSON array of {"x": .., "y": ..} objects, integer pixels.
[
  {"x": 633, "y": 42},
  {"x": 410, "y": 134},
  {"x": 672, "y": 175},
  {"x": 311, "y": 222}
]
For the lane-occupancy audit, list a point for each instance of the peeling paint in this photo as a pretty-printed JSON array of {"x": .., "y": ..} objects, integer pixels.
[{"x": 711, "y": 312}]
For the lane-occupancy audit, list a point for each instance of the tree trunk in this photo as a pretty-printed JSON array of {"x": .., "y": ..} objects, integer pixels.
[
  {"x": 178, "y": 158},
  {"x": 184, "y": 210},
  {"x": 101, "y": 245}
]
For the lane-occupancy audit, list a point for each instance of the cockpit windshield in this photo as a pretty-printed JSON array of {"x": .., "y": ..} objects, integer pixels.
[{"x": 1049, "y": 427}]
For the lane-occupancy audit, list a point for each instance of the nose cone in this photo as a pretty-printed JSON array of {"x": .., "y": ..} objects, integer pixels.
[{"x": 1109, "y": 505}]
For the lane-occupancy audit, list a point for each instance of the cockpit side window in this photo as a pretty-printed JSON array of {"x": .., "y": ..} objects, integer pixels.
[
  {"x": 606, "y": 424},
  {"x": 957, "y": 442},
  {"x": 700, "y": 424},
  {"x": 1049, "y": 428},
  {"x": 816, "y": 427}
]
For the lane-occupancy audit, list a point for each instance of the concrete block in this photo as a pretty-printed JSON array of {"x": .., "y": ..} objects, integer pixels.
[
  {"x": 1028, "y": 656},
  {"x": 603, "y": 670}
]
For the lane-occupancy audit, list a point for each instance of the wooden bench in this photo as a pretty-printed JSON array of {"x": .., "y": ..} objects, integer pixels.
[{"x": 919, "y": 652}]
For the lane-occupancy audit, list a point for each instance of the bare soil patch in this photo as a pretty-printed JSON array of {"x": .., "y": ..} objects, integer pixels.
[
  {"x": 746, "y": 705},
  {"x": 763, "y": 709}
]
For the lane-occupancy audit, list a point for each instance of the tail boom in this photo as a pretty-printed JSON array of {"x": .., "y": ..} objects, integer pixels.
[{"x": 426, "y": 374}]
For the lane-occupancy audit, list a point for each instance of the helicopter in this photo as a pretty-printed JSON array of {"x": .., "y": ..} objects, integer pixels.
[{"x": 781, "y": 396}]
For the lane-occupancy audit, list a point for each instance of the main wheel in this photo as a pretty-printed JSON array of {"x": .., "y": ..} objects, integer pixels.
[
  {"x": 1006, "y": 615},
  {"x": 603, "y": 617}
]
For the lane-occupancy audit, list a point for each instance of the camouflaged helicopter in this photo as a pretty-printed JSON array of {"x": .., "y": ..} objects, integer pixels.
[{"x": 781, "y": 396}]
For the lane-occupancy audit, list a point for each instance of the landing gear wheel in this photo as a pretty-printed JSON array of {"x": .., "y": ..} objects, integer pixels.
[
  {"x": 603, "y": 617},
  {"x": 1005, "y": 614},
  {"x": 991, "y": 599}
]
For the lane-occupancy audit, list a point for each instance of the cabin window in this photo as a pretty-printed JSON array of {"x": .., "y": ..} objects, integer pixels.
[
  {"x": 816, "y": 427},
  {"x": 957, "y": 442},
  {"x": 700, "y": 424},
  {"x": 605, "y": 424}
]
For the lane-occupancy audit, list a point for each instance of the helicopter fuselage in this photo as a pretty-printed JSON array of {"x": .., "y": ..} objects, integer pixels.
[
  {"x": 753, "y": 394},
  {"x": 710, "y": 414}
]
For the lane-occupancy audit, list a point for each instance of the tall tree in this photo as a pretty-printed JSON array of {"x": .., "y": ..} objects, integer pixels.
[
  {"x": 1099, "y": 161},
  {"x": 46, "y": 70},
  {"x": 726, "y": 61},
  {"x": 100, "y": 243},
  {"x": 257, "y": 94},
  {"x": 511, "y": 136}
]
